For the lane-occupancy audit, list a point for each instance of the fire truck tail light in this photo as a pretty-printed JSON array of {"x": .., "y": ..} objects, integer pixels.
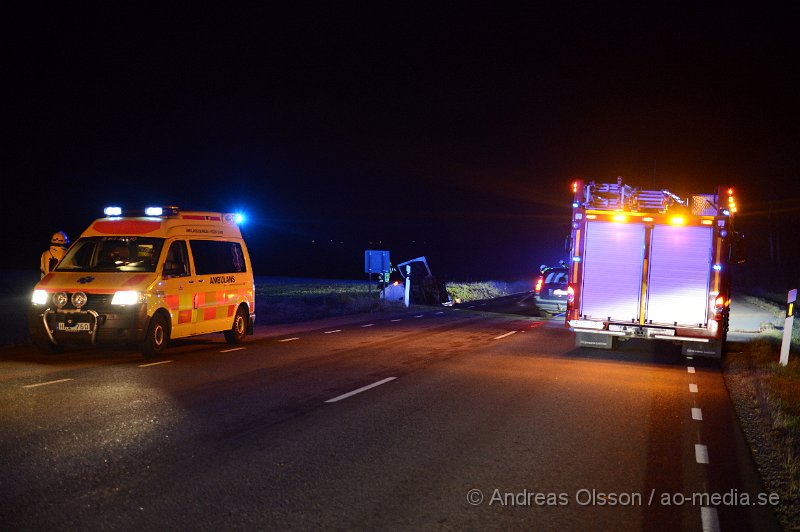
[
  {"x": 719, "y": 302},
  {"x": 539, "y": 282},
  {"x": 570, "y": 294}
]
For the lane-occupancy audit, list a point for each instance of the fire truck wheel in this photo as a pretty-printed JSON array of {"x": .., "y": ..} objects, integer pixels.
[
  {"x": 239, "y": 328},
  {"x": 157, "y": 337}
]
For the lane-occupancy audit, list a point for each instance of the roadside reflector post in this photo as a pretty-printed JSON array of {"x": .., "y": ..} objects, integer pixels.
[
  {"x": 791, "y": 304},
  {"x": 407, "y": 298}
]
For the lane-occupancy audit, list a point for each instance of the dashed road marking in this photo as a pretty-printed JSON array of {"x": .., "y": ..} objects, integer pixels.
[
  {"x": 333, "y": 332},
  {"x": 155, "y": 363},
  {"x": 690, "y": 369},
  {"x": 362, "y": 389},
  {"x": 439, "y": 313},
  {"x": 701, "y": 453},
  {"x": 289, "y": 339},
  {"x": 398, "y": 319},
  {"x": 697, "y": 414},
  {"x": 504, "y": 335},
  {"x": 693, "y": 388},
  {"x": 419, "y": 315},
  {"x": 710, "y": 519},
  {"x": 367, "y": 325},
  {"x": 45, "y": 383},
  {"x": 232, "y": 349}
]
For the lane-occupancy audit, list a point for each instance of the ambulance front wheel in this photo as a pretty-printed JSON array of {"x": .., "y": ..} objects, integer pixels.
[
  {"x": 157, "y": 336},
  {"x": 238, "y": 330}
]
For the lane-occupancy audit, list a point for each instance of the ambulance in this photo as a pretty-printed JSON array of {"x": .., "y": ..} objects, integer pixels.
[{"x": 144, "y": 278}]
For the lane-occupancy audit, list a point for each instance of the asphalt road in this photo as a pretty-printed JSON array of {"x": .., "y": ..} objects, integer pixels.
[{"x": 434, "y": 419}]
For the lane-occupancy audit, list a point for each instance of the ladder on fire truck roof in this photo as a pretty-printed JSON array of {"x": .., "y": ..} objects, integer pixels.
[{"x": 617, "y": 196}]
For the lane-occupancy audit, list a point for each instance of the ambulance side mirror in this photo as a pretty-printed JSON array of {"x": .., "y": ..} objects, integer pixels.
[{"x": 171, "y": 269}]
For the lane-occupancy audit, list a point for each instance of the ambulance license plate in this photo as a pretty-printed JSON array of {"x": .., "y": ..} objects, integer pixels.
[{"x": 78, "y": 327}]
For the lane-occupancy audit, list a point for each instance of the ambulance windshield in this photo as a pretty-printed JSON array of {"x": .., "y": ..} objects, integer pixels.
[{"x": 112, "y": 254}]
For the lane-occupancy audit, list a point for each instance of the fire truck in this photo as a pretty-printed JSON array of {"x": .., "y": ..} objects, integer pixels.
[{"x": 649, "y": 264}]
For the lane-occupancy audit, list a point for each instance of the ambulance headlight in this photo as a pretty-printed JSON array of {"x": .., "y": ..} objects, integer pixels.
[
  {"x": 60, "y": 299},
  {"x": 39, "y": 297},
  {"x": 79, "y": 299},
  {"x": 126, "y": 297}
]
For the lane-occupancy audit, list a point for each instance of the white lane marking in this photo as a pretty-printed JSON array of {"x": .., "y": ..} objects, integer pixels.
[
  {"x": 689, "y": 358},
  {"x": 419, "y": 315},
  {"x": 367, "y": 325},
  {"x": 155, "y": 363},
  {"x": 697, "y": 414},
  {"x": 701, "y": 453},
  {"x": 45, "y": 383},
  {"x": 710, "y": 519},
  {"x": 471, "y": 306},
  {"x": 440, "y": 312},
  {"x": 693, "y": 388},
  {"x": 289, "y": 339},
  {"x": 232, "y": 349},
  {"x": 504, "y": 335},
  {"x": 332, "y": 332},
  {"x": 398, "y": 319},
  {"x": 455, "y": 309},
  {"x": 690, "y": 369},
  {"x": 362, "y": 389}
]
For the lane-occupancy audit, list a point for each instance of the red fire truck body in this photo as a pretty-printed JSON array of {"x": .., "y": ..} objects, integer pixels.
[{"x": 647, "y": 264}]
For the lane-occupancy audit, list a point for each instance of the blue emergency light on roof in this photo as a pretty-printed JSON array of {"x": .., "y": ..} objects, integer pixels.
[
  {"x": 113, "y": 211},
  {"x": 576, "y": 259},
  {"x": 239, "y": 218},
  {"x": 726, "y": 212},
  {"x": 717, "y": 267}
]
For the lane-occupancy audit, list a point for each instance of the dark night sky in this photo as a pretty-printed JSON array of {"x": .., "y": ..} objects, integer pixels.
[{"x": 447, "y": 132}]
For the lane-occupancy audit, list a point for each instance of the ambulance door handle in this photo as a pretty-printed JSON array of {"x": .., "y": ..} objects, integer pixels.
[{"x": 201, "y": 280}]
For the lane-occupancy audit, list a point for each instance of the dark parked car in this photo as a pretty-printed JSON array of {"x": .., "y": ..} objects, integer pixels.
[{"x": 551, "y": 289}]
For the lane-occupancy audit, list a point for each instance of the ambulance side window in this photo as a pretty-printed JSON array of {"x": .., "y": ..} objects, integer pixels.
[
  {"x": 217, "y": 256},
  {"x": 177, "y": 261}
]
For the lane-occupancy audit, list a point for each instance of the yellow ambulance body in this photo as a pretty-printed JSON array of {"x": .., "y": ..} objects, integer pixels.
[{"x": 147, "y": 278}]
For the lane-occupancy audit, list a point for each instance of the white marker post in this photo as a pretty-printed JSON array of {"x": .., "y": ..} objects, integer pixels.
[{"x": 787, "y": 326}]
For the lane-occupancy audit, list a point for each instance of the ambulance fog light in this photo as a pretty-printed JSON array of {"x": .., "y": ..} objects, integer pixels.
[
  {"x": 39, "y": 297},
  {"x": 126, "y": 297},
  {"x": 79, "y": 299},
  {"x": 60, "y": 299}
]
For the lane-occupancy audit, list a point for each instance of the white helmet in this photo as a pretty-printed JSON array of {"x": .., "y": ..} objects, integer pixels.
[{"x": 60, "y": 239}]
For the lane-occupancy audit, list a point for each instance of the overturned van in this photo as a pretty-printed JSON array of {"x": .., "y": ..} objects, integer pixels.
[{"x": 144, "y": 278}]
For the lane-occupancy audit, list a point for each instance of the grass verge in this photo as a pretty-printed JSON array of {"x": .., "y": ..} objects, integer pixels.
[
  {"x": 283, "y": 300},
  {"x": 767, "y": 400},
  {"x": 465, "y": 292}
]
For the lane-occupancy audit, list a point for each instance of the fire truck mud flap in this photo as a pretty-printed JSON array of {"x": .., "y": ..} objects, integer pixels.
[
  {"x": 712, "y": 349},
  {"x": 597, "y": 341}
]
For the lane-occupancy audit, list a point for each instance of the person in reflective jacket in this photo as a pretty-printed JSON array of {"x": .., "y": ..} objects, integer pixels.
[{"x": 56, "y": 252}]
